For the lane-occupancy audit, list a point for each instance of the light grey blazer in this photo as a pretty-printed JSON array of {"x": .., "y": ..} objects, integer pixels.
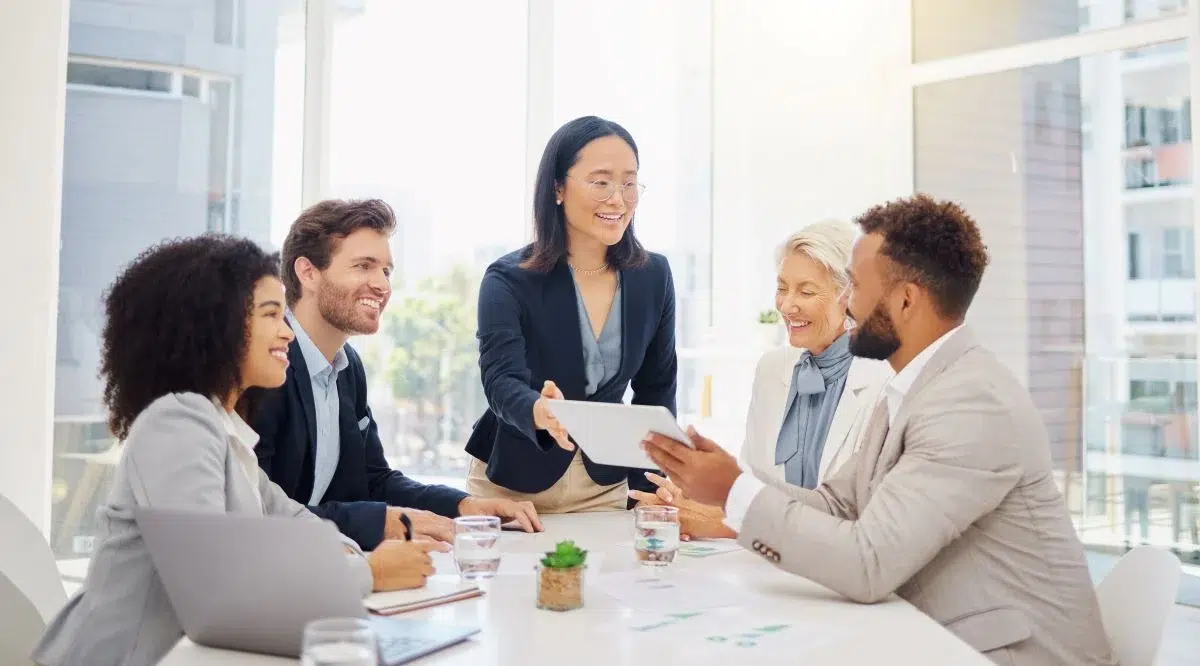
[
  {"x": 955, "y": 509},
  {"x": 178, "y": 455}
]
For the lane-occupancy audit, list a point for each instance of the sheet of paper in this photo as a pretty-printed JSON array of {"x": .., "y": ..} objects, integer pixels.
[
  {"x": 707, "y": 547},
  {"x": 761, "y": 637},
  {"x": 671, "y": 592}
]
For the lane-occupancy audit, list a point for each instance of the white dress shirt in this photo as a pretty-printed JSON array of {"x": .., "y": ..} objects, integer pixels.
[
  {"x": 242, "y": 440},
  {"x": 747, "y": 486}
]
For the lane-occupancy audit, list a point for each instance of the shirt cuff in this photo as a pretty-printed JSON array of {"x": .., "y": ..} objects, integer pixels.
[{"x": 741, "y": 495}]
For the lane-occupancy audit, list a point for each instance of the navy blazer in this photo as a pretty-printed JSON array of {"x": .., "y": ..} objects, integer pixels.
[
  {"x": 529, "y": 332},
  {"x": 363, "y": 485}
]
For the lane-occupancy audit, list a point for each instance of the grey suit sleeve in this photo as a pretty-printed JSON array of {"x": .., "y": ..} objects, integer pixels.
[
  {"x": 176, "y": 459},
  {"x": 277, "y": 503},
  {"x": 958, "y": 465},
  {"x": 835, "y": 496},
  {"x": 176, "y": 455}
]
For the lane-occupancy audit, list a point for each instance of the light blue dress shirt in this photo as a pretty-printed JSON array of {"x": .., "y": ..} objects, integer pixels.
[
  {"x": 601, "y": 356},
  {"x": 323, "y": 375}
]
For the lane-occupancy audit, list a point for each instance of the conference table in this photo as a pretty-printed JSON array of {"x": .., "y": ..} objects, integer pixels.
[{"x": 776, "y": 617}]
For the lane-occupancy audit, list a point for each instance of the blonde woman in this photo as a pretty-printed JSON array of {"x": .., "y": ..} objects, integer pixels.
[{"x": 811, "y": 397}]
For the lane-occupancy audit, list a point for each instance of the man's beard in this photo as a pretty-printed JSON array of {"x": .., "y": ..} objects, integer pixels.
[
  {"x": 337, "y": 306},
  {"x": 876, "y": 337}
]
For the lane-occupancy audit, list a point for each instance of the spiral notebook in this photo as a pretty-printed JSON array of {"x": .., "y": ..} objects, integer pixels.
[{"x": 438, "y": 590}]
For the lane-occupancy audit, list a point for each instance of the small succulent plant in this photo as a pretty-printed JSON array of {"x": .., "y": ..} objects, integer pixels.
[
  {"x": 566, "y": 555},
  {"x": 768, "y": 317}
]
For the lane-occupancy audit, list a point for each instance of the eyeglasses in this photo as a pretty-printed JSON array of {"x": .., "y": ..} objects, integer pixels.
[{"x": 603, "y": 190}]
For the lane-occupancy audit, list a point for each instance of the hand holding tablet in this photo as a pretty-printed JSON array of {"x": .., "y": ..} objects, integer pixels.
[
  {"x": 612, "y": 433},
  {"x": 543, "y": 418}
]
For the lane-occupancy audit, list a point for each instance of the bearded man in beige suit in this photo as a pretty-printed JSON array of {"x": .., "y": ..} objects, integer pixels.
[{"x": 950, "y": 502}]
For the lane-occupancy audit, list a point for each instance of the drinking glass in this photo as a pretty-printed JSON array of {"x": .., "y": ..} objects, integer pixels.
[
  {"x": 339, "y": 642},
  {"x": 656, "y": 534},
  {"x": 477, "y": 546}
]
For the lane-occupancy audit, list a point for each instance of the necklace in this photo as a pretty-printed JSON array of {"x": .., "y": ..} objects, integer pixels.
[{"x": 589, "y": 271}]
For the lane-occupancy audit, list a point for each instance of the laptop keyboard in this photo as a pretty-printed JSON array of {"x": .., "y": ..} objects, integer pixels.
[
  {"x": 402, "y": 640},
  {"x": 395, "y": 649}
]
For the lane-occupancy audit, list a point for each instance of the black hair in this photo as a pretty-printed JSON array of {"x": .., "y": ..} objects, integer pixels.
[
  {"x": 549, "y": 221},
  {"x": 934, "y": 244},
  {"x": 176, "y": 321}
]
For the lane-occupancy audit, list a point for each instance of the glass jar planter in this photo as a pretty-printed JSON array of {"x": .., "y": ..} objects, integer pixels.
[{"x": 560, "y": 589}]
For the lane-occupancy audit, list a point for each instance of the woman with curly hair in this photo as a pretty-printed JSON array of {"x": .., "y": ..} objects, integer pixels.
[{"x": 190, "y": 325}]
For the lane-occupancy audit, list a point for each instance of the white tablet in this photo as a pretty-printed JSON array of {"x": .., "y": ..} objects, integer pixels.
[{"x": 612, "y": 433}]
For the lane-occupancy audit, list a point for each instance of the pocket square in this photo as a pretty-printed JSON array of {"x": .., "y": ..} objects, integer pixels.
[{"x": 364, "y": 422}]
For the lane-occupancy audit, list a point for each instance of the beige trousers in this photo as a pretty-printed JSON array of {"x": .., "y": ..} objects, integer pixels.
[{"x": 574, "y": 492}]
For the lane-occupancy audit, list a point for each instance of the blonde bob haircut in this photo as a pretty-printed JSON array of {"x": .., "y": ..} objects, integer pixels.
[{"x": 826, "y": 242}]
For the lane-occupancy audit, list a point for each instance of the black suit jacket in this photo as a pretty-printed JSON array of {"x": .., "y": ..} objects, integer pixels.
[
  {"x": 363, "y": 485},
  {"x": 529, "y": 332}
]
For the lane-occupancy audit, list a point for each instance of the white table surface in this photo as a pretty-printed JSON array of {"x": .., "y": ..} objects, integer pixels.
[{"x": 515, "y": 632}]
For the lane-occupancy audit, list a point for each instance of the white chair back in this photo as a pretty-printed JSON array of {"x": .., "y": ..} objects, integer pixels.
[
  {"x": 31, "y": 591},
  {"x": 1135, "y": 599}
]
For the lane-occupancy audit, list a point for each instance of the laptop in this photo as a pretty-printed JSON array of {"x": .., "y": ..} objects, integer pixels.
[{"x": 252, "y": 583}]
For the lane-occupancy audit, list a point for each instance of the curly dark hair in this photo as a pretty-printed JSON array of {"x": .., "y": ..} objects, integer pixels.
[
  {"x": 176, "y": 322},
  {"x": 319, "y": 228},
  {"x": 934, "y": 244}
]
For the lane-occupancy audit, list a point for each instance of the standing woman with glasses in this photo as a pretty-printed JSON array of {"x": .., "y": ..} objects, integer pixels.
[{"x": 583, "y": 313}]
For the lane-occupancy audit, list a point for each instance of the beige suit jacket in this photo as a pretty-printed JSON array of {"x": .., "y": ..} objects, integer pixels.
[{"x": 955, "y": 509}]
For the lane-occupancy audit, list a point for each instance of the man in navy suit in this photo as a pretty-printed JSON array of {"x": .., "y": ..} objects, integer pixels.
[{"x": 318, "y": 439}]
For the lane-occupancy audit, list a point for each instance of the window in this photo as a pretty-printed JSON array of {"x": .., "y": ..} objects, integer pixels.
[
  {"x": 225, "y": 21},
  {"x": 221, "y": 150},
  {"x": 1031, "y": 306},
  {"x": 664, "y": 75},
  {"x": 1134, "y": 257},
  {"x": 1140, "y": 388},
  {"x": 113, "y": 76},
  {"x": 1135, "y": 126},
  {"x": 1140, "y": 172},
  {"x": 459, "y": 209},
  {"x": 191, "y": 86},
  {"x": 1178, "y": 253},
  {"x": 163, "y": 158},
  {"x": 1169, "y": 123},
  {"x": 947, "y": 28},
  {"x": 1186, "y": 395},
  {"x": 454, "y": 171}
]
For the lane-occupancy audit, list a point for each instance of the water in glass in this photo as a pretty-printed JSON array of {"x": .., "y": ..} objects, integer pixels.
[
  {"x": 339, "y": 654},
  {"x": 477, "y": 546},
  {"x": 339, "y": 642},
  {"x": 656, "y": 534}
]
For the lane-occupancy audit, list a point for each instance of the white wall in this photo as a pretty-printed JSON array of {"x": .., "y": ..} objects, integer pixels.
[
  {"x": 811, "y": 119},
  {"x": 33, "y": 53}
]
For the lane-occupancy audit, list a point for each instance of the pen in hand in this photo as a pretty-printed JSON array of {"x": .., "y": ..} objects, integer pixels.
[{"x": 408, "y": 531}]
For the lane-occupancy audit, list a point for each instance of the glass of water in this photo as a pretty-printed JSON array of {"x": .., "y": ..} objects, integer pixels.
[
  {"x": 477, "y": 546},
  {"x": 656, "y": 534},
  {"x": 339, "y": 642}
]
